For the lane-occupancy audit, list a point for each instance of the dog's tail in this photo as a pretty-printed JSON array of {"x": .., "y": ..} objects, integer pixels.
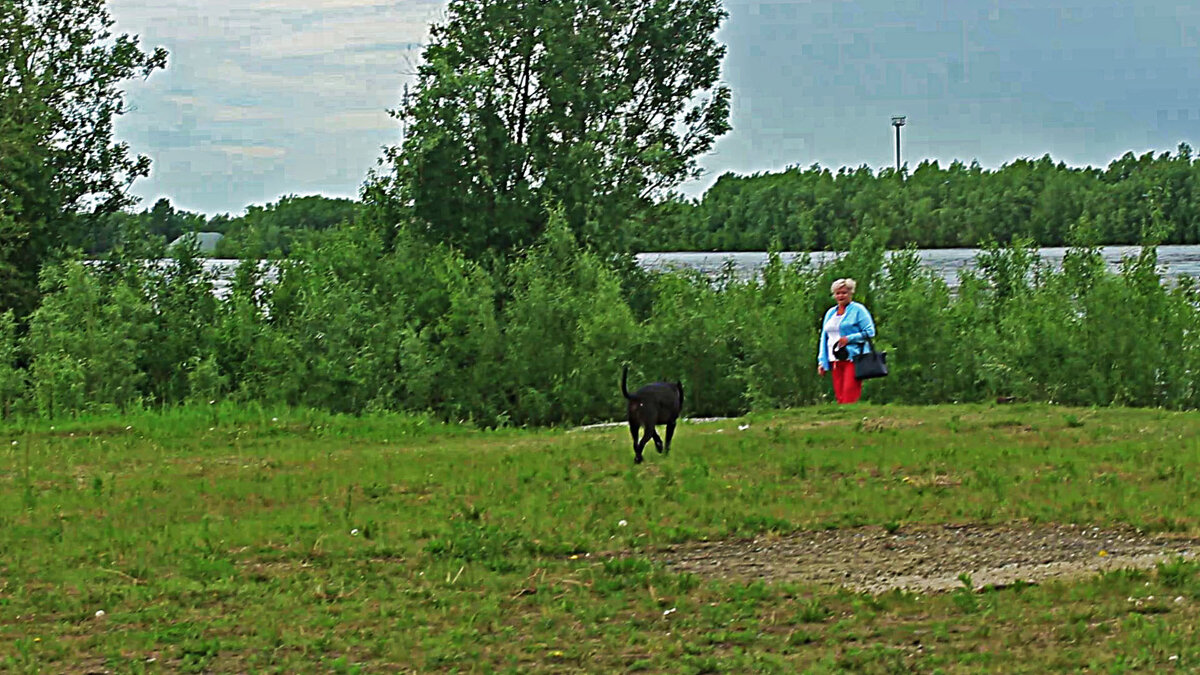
[{"x": 625, "y": 376}]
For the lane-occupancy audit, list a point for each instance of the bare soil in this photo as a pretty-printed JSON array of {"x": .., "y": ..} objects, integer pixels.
[{"x": 928, "y": 558}]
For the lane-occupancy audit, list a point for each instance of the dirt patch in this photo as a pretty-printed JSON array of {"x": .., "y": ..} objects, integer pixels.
[{"x": 927, "y": 559}]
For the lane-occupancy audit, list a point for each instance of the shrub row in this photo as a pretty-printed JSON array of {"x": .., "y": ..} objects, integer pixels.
[{"x": 349, "y": 325}]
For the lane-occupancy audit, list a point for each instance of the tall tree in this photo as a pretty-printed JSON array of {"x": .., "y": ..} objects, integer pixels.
[
  {"x": 595, "y": 105},
  {"x": 61, "y": 68}
]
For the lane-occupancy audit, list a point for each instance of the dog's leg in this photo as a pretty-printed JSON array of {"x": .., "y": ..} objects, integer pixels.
[
  {"x": 638, "y": 446},
  {"x": 658, "y": 441},
  {"x": 670, "y": 433}
]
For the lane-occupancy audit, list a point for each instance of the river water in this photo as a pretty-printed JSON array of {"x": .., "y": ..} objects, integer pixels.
[{"x": 1173, "y": 261}]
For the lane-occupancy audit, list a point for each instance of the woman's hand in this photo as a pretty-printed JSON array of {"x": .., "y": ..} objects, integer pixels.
[
  {"x": 842, "y": 342},
  {"x": 821, "y": 371}
]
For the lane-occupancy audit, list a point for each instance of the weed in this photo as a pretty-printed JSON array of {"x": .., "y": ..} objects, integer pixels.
[
  {"x": 471, "y": 540},
  {"x": 812, "y": 611},
  {"x": 964, "y": 596},
  {"x": 1175, "y": 573},
  {"x": 795, "y": 467}
]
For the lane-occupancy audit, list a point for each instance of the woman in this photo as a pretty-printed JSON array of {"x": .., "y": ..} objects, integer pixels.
[{"x": 844, "y": 334}]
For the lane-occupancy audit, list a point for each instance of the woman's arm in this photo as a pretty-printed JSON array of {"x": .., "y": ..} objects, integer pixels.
[
  {"x": 864, "y": 323},
  {"x": 822, "y": 350}
]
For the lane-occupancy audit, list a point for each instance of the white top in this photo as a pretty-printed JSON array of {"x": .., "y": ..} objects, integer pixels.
[{"x": 833, "y": 333}]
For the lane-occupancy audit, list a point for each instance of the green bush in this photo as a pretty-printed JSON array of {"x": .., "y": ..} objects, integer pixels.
[
  {"x": 691, "y": 336},
  {"x": 12, "y": 377},
  {"x": 349, "y": 324},
  {"x": 779, "y": 334},
  {"x": 452, "y": 363},
  {"x": 84, "y": 342},
  {"x": 329, "y": 345},
  {"x": 567, "y": 331}
]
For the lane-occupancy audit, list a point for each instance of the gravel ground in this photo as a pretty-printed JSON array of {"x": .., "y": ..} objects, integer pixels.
[{"x": 927, "y": 558}]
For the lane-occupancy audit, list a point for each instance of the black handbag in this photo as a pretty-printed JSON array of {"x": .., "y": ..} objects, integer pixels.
[{"x": 872, "y": 364}]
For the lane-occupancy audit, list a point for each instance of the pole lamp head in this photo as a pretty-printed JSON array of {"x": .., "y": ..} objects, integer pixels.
[{"x": 898, "y": 121}]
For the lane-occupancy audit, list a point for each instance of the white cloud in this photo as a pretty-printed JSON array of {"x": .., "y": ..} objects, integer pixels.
[
  {"x": 269, "y": 87},
  {"x": 361, "y": 120},
  {"x": 210, "y": 22},
  {"x": 241, "y": 113},
  {"x": 397, "y": 31},
  {"x": 267, "y": 95},
  {"x": 329, "y": 5},
  {"x": 274, "y": 28},
  {"x": 397, "y": 59},
  {"x": 184, "y": 101},
  {"x": 250, "y": 151}
]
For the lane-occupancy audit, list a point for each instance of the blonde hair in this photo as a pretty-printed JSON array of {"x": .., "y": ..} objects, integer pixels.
[{"x": 849, "y": 283}]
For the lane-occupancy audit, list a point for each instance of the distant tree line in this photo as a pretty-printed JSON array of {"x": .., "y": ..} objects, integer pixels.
[
  {"x": 268, "y": 231},
  {"x": 960, "y": 205},
  {"x": 1134, "y": 199}
]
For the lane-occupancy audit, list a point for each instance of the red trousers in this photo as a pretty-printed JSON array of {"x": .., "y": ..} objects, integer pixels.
[{"x": 846, "y": 389}]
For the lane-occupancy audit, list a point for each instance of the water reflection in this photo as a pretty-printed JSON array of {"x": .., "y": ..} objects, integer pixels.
[{"x": 1174, "y": 261}]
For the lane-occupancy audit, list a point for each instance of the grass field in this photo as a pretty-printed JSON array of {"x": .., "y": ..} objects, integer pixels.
[{"x": 240, "y": 540}]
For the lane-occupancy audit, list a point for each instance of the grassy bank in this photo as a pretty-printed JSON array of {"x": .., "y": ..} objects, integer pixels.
[{"x": 226, "y": 540}]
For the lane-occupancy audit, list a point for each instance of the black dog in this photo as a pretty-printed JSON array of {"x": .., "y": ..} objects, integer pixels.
[{"x": 655, "y": 403}]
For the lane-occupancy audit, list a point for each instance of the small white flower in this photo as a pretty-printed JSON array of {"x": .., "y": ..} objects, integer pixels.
[
  {"x": 14, "y": 442},
  {"x": 622, "y": 523},
  {"x": 743, "y": 427},
  {"x": 1173, "y": 657},
  {"x": 128, "y": 428},
  {"x": 1178, "y": 599},
  {"x": 274, "y": 419},
  {"x": 211, "y": 402},
  {"x": 354, "y": 532},
  {"x": 669, "y": 612},
  {"x": 99, "y": 614}
]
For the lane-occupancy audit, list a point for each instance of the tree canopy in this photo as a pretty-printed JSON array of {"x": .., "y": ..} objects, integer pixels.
[
  {"x": 1135, "y": 199},
  {"x": 61, "y": 68},
  {"x": 526, "y": 105}
]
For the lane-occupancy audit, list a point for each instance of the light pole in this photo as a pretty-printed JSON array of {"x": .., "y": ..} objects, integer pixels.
[{"x": 898, "y": 121}]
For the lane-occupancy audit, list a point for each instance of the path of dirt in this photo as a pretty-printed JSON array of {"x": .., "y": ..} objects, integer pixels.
[{"x": 928, "y": 558}]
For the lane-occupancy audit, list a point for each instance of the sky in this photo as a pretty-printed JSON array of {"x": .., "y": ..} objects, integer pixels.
[{"x": 266, "y": 98}]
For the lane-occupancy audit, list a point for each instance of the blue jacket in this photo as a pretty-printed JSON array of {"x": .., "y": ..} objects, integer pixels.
[{"x": 857, "y": 326}]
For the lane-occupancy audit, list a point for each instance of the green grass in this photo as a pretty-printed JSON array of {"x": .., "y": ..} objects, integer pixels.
[{"x": 224, "y": 540}]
